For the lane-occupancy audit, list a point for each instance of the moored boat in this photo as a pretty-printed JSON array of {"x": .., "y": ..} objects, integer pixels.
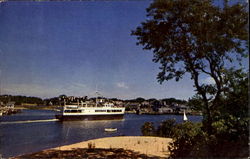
[{"x": 110, "y": 129}]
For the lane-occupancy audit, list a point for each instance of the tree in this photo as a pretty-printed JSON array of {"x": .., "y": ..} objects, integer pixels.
[
  {"x": 165, "y": 129},
  {"x": 62, "y": 96},
  {"x": 235, "y": 101},
  {"x": 195, "y": 37},
  {"x": 148, "y": 129},
  {"x": 189, "y": 141},
  {"x": 230, "y": 121},
  {"x": 196, "y": 103},
  {"x": 140, "y": 99},
  {"x": 233, "y": 110},
  {"x": 171, "y": 101}
]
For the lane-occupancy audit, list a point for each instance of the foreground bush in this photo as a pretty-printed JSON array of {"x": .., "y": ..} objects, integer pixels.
[
  {"x": 148, "y": 129},
  {"x": 229, "y": 139}
]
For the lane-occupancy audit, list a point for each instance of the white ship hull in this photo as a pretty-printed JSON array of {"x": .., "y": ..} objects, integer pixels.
[{"x": 91, "y": 113}]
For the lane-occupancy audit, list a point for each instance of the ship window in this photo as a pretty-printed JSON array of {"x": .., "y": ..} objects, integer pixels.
[
  {"x": 100, "y": 110},
  {"x": 116, "y": 110},
  {"x": 72, "y": 111}
]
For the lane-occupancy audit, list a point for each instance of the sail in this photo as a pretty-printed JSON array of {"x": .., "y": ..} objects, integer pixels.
[{"x": 184, "y": 116}]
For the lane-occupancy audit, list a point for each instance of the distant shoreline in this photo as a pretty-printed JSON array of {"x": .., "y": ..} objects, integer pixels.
[
  {"x": 56, "y": 108},
  {"x": 38, "y": 107}
]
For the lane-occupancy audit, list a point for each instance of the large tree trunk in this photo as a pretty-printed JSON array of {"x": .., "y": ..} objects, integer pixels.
[{"x": 207, "y": 121}]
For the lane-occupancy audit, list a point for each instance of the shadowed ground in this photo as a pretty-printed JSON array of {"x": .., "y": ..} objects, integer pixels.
[{"x": 92, "y": 153}]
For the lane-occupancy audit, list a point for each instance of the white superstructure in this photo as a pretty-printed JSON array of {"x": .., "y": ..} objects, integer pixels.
[{"x": 84, "y": 111}]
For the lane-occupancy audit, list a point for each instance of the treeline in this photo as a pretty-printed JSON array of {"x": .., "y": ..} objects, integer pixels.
[
  {"x": 168, "y": 101},
  {"x": 21, "y": 99},
  {"x": 57, "y": 100}
]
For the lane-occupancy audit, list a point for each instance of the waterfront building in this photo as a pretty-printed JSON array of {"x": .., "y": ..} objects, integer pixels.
[
  {"x": 165, "y": 110},
  {"x": 10, "y": 105}
]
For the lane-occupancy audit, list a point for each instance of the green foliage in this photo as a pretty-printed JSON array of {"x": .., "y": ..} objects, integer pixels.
[
  {"x": 235, "y": 100},
  {"x": 230, "y": 125},
  {"x": 166, "y": 128},
  {"x": 189, "y": 141},
  {"x": 229, "y": 138},
  {"x": 139, "y": 99},
  {"x": 196, "y": 37},
  {"x": 196, "y": 103},
  {"x": 170, "y": 101},
  {"x": 148, "y": 129},
  {"x": 62, "y": 96},
  {"x": 192, "y": 33},
  {"x": 20, "y": 99}
]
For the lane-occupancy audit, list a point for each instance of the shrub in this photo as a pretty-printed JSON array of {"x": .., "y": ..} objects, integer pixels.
[
  {"x": 91, "y": 146},
  {"x": 166, "y": 128},
  {"x": 191, "y": 141},
  {"x": 188, "y": 141},
  {"x": 148, "y": 129}
]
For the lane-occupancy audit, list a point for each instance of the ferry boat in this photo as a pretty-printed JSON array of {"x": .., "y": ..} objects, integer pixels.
[{"x": 83, "y": 111}]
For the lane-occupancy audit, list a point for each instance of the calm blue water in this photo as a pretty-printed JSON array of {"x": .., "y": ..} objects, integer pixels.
[{"x": 21, "y": 138}]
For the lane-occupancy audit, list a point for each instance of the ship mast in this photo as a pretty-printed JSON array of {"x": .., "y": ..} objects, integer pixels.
[{"x": 96, "y": 96}]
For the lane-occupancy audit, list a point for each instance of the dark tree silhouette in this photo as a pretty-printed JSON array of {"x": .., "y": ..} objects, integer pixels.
[{"x": 195, "y": 37}]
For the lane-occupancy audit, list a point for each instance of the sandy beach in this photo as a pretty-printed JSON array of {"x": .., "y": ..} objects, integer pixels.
[
  {"x": 150, "y": 146},
  {"x": 109, "y": 148}
]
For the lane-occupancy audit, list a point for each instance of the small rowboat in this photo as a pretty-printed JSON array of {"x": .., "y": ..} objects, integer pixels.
[{"x": 110, "y": 129}]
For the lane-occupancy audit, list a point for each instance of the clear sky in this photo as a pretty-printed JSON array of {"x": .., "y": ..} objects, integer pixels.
[{"x": 53, "y": 48}]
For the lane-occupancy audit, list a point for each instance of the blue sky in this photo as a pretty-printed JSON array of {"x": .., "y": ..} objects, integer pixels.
[{"x": 53, "y": 48}]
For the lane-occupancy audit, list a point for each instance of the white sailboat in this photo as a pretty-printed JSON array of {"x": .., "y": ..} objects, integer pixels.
[{"x": 184, "y": 116}]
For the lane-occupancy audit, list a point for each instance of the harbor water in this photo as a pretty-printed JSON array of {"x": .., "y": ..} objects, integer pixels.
[{"x": 36, "y": 130}]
